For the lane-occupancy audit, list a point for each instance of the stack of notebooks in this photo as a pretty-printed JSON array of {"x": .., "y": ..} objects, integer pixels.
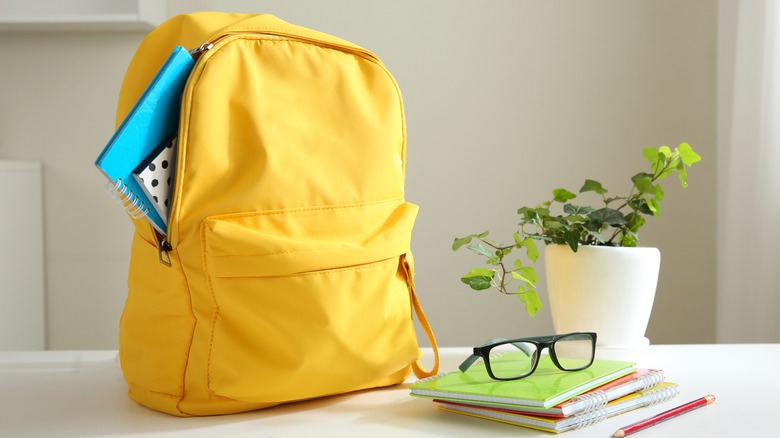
[
  {"x": 550, "y": 399},
  {"x": 140, "y": 157}
]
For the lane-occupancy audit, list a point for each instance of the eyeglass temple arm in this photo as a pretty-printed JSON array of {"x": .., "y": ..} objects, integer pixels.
[{"x": 473, "y": 358}]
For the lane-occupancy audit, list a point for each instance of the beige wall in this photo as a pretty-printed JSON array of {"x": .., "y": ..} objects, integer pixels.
[{"x": 505, "y": 100}]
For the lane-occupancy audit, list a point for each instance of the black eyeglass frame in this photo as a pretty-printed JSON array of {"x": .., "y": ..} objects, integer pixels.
[{"x": 541, "y": 342}]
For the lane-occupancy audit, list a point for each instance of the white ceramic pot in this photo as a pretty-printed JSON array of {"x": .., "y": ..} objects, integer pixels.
[{"x": 607, "y": 290}]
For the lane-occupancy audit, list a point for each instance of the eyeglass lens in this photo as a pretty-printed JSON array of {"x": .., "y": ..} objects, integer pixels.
[
  {"x": 574, "y": 351},
  {"x": 512, "y": 360}
]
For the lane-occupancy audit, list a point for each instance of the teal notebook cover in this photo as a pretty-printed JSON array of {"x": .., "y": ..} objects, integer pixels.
[
  {"x": 545, "y": 388},
  {"x": 152, "y": 120}
]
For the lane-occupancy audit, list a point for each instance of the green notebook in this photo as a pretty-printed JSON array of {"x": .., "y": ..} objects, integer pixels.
[{"x": 546, "y": 387}]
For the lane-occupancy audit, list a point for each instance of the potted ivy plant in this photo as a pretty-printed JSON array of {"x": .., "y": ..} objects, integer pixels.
[{"x": 598, "y": 276}]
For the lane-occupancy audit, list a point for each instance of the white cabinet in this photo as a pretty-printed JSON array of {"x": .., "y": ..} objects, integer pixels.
[
  {"x": 81, "y": 15},
  {"x": 22, "y": 325}
]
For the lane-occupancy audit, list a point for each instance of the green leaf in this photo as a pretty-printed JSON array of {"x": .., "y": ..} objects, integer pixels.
[
  {"x": 576, "y": 209},
  {"x": 481, "y": 250},
  {"x": 608, "y": 216},
  {"x": 518, "y": 276},
  {"x": 687, "y": 154},
  {"x": 596, "y": 235},
  {"x": 460, "y": 241},
  {"x": 553, "y": 224},
  {"x": 640, "y": 205},
  {"x": 642, "y": 175},
  {"x": 654, "y": 206},
  {"x": 479, "y": 278},
  {"x": 644, "y": 183},
  {"x": 629, "y": 240},
  {"x": 563, "y": 195},
  {"x": 593, "y": 186},
  {"x": 650, "y": 154},
  {"x": 572, "y": 238},
  {"x": 682, "y": 174},
  {"x": 533, "y": 215},
  {"x": 664, "y": 168},
  {"x": 531, "y": 250},
  {"x": 634, "y": 222},
  {"x": 530, "y": 273},
  {"x": 526, "y": 211},
  {"x": 659, "y": 192},
  {"x": 531, "y": 300},
  {"x": 666, "y": 151},
  {"x": 476, "y": 272}
]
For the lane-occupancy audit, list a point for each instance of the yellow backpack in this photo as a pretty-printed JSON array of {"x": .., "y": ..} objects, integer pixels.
[{"x": 286, "y": 273}]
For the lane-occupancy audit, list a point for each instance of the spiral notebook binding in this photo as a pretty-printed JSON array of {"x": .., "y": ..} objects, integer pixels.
[
  {"x": 591, "y": 401},
  {"x": 136, "y": 210},
  {"x": 133, "y": 205},
  {"x": 432, "y": 378},
  {"x": 651, "y": 379},
  {"x": 590, "y": 418},
  {"x": 650, "y": 397},
  {"x": 660, "y": 395}
]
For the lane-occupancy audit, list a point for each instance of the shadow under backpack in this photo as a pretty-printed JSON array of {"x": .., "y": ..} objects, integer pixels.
[{"x": 290, "y": 274}]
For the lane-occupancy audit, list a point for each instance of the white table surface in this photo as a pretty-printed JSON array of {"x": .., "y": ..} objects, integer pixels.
[{"x": 82, "y": 393}]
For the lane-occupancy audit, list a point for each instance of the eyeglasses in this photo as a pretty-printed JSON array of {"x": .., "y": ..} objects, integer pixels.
[{"x": 511, "y": 359}]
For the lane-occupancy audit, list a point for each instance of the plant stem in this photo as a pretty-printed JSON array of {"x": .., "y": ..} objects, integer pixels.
[{"x": 500, "y": 249}]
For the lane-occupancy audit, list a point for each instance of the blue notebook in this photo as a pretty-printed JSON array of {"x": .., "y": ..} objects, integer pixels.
[{"x": 150, "y": 123}]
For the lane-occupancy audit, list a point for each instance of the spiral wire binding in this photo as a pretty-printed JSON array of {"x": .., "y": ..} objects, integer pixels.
[
  {"x": 651, "y": 397},
  {"x": 660, "y": 395},
  {"x": 134, "y": 206},
  {"x": 432, "y": 378},
  {"x": 590, "y": 418},
  {"x": 651, "y": 379},
  {"x": 591, "y": 401}
]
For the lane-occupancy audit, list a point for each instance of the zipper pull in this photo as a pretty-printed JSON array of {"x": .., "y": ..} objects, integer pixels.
[
  {"x": 195, "y": 53},
  {"x": 162, "y": 252}
]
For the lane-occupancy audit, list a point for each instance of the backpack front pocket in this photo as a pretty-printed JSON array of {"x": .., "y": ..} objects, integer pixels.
[{"x": 309, "y": 302}]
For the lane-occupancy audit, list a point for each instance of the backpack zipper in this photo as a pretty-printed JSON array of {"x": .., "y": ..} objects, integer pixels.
[
  {"x": 207, "y": 45},
  {"x": 163, "y": 246},
  {"x": 196, "y": 52}
]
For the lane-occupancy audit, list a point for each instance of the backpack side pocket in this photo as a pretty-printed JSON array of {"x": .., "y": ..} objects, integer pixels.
[{"x": 155, "y": 331}]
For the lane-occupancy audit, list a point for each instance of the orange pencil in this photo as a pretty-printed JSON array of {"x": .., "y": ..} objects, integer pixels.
[{"x": 663, "y": 416}]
